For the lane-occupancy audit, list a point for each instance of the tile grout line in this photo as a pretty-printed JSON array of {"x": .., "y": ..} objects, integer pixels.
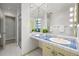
[{"x": 30, "y": 51}]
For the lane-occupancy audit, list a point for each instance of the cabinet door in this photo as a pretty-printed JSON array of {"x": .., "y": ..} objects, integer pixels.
[
  {"x": 40, "y": 44},
  {"x": 64, "y": 52},
  {"x": 47, "y": 51}
]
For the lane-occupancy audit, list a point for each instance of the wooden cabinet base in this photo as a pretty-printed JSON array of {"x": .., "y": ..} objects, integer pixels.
[{"x": 50, "y": 50}]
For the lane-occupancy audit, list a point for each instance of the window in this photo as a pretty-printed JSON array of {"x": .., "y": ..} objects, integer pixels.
[{"x": 38, "y": 25}]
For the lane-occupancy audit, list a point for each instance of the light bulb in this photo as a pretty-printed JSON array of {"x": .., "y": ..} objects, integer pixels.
[
  {"x": 71, "y": 25},
  {"x": 71, "y": 20},
  {"x": 71, "y": 14},
  {"x": 71, "y": 9},
  {"x": 78, "y": 25}
]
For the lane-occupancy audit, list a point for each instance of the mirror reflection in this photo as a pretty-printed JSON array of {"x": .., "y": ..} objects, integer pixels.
[{"x": 55, "y": 18}]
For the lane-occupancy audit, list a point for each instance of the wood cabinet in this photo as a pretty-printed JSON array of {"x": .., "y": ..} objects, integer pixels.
[
  {"x": 40, "y": 44},
  {"x": 50, "y": 50}
]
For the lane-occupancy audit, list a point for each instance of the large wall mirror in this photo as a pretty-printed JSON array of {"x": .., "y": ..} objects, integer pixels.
[{"x": 57, "y": 18}]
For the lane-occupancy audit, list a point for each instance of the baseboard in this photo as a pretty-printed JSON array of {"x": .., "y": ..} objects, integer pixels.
[{"x": 30, "y": 51}]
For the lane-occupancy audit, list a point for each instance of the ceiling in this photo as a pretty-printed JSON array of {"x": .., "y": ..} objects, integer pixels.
[
  {"x": 42, "y": 8},
  {"x": 10, "y": 7},
  {"x": 36, "y": 8}
]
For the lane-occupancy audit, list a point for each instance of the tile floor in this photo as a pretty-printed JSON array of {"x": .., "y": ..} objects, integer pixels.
[
  {"x": 10, "y": 50},
  {"x": 37, "y": 52},
  {"x": 13, "y": 50}
]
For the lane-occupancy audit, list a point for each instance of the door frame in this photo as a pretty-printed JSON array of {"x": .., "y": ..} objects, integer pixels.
[
  {"x": 18, "y": 18},
  {"x": 4, "y": 29}
]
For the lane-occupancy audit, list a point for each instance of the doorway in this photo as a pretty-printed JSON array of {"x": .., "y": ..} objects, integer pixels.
[{"x": 10, "y": 29}]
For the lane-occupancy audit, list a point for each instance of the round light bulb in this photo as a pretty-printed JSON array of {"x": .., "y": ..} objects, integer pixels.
[
  {"x": 71, "y": 9},
  {"x": 71, "y": 25},
  {"x": 78, "y": 25},
  {"x": 71, "y": 20},
  {"x": 71, "y": 14}
]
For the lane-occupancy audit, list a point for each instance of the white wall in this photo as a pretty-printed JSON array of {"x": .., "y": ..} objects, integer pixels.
[{"x": 27, "y": 43}]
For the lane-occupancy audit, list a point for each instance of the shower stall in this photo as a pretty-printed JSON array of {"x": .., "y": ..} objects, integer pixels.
[{"x": 2, "y": 32}]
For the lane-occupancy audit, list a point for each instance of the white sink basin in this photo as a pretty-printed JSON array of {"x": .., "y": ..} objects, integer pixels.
[
  {"x": 60, "y": 40},
  {"x": 37, "y": 35}
]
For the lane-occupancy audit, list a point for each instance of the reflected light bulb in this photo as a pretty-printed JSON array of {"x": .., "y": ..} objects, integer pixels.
[
  {"x": 71, "y": 14},
  {"x": 71, "y": 9},
  {"x": 71, "y": 25},
  {"x": 71, "y": 20}
]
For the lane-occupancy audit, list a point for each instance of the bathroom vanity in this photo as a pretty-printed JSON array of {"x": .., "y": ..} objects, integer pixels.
[
  {"x": 57, "y": 46},
  {"x": 51, "y": 50}
]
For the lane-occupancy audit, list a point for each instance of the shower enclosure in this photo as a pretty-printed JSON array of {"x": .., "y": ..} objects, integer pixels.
[{"x": 2, "y": 32}]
